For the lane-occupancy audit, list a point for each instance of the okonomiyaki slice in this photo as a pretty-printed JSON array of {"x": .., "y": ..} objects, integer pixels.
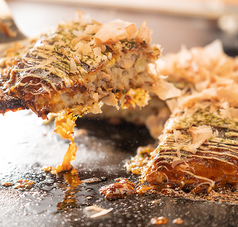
[
  {"x": 82, "y": 64},
  {"x": 205, "y": 112},
  {"x": 198, "y": 149}
]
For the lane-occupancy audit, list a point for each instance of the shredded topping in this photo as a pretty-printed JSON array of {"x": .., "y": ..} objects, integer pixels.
[
  {"x": 112, "y": 32},
  {"x": 199, "y": 135},
  {"x": 94, "y": 211}
]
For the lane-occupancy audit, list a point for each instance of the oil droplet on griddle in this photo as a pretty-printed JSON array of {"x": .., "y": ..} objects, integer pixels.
[{"x": 159, "y": 221}]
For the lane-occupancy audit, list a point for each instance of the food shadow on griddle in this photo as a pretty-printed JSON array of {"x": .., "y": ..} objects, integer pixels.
[{"x": 125, "y": 136}]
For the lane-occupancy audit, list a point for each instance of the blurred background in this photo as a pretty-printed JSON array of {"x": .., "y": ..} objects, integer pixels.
[{"x": 174, "y": 22}]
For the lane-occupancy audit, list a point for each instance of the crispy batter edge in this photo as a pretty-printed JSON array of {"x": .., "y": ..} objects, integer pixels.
[{"x": 9, "y": 103}]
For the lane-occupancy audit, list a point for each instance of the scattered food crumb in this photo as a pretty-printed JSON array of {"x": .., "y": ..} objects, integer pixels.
[
  {"x": 92, "y": 180},
  {"x": 154, "y": 201},
  {"x": 95, "y": 211},
  {"x": 47, "y": 168},
  {"x": 178, "y": 221},
  {"x": 50, "y": 169},
  {"x": 7, "y": 184},
  {"x": 104, "y": 178},
  {"x": 24, "y": 183},
  {"x": 159, "y": 221},
  {"x": 122, "y": 188},
  {"x": 88, "y": 197}
]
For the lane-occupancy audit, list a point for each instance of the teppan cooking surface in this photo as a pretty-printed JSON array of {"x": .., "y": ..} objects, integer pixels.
[{"x": 27, "y": 145}]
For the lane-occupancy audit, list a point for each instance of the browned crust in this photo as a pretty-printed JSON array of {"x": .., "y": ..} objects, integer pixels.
[{"x": 8, "y": 103}]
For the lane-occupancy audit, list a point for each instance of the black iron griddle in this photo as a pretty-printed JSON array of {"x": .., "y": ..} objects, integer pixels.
[{"x": 27, "y": 145}]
